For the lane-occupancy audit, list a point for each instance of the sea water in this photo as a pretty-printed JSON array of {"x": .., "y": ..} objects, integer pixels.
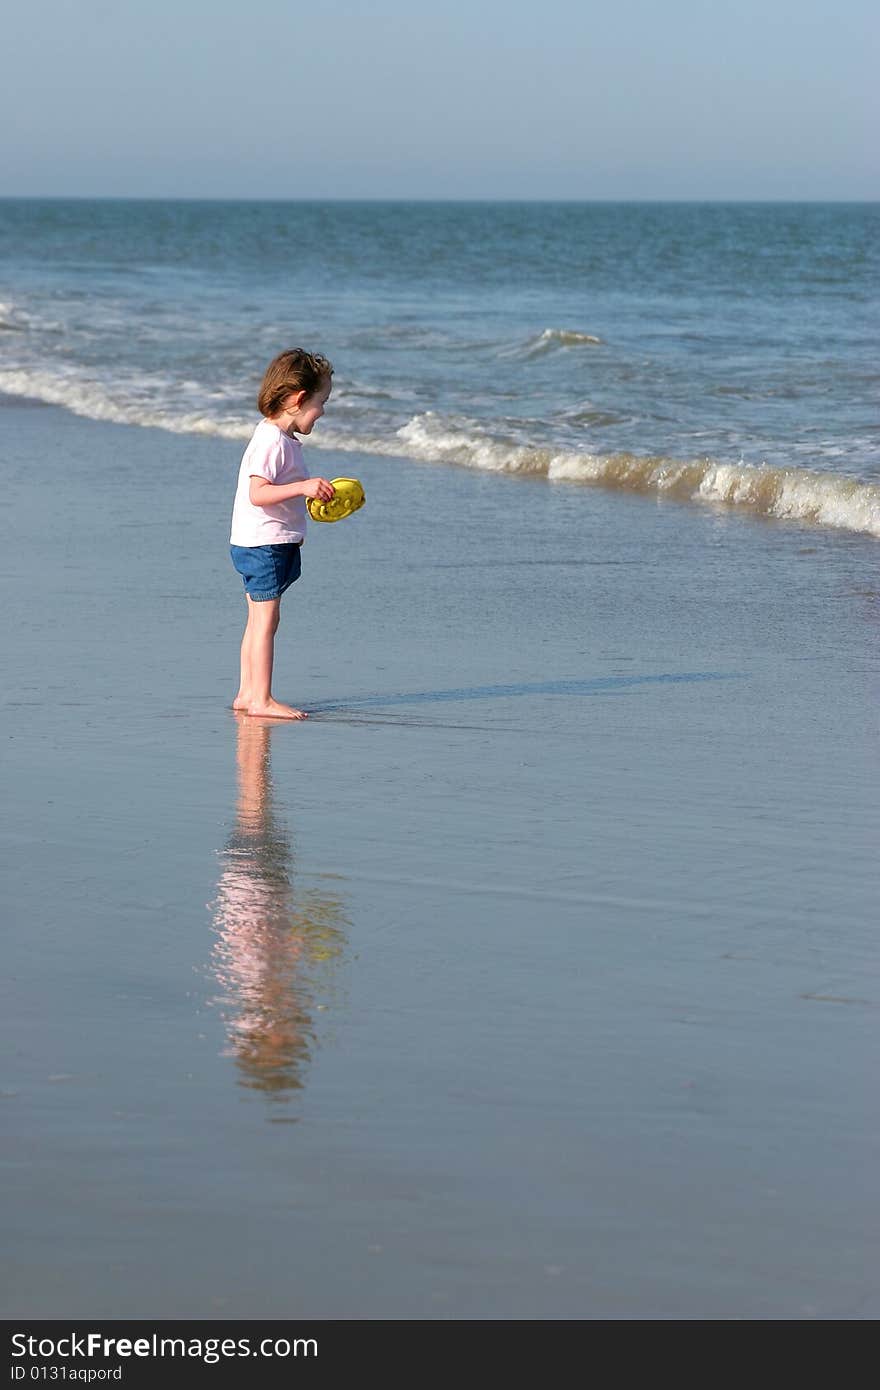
[{"x": 714, "y": 352}]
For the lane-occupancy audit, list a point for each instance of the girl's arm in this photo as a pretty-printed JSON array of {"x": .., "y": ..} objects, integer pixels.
[{"x": 265, "y": 494}]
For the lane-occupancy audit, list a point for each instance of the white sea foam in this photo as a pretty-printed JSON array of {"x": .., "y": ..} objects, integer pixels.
[
  {"x": 802, "y": 494},
  {"x": 822, "y": 499},
  {"x": 14, "y": 319},
  {"x": 82, "y": 395},
  {"x": 10, "y": 318}
]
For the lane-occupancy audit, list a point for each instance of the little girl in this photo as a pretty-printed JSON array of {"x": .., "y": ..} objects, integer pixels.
[{"x": 269, "y": 514}]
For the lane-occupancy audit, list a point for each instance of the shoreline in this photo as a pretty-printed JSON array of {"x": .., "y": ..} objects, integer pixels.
[{"x": 807, "y": 498}]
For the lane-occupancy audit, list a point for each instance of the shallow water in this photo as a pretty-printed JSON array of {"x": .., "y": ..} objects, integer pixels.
[{"x": 535, "y": 976}]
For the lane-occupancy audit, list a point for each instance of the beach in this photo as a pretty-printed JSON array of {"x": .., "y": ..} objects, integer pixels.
[{"x": 535, "y": 976}]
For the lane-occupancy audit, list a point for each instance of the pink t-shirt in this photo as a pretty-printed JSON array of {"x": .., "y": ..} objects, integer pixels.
[{"x": 272, "y": 455}]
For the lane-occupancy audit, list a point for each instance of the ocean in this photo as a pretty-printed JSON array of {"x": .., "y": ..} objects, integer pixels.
[
  {"x": 724, "y": 354},
  {"x": 536, "y": 974}
]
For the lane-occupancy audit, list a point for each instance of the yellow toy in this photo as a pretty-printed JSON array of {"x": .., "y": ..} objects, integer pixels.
[{"x": 348, "y": 496}]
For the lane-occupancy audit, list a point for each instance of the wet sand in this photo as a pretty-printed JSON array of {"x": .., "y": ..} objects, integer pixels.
[{"x": 535, "y": 976}]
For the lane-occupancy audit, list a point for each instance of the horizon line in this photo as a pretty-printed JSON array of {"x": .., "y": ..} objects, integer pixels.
[{"x": 372, "y": 201}]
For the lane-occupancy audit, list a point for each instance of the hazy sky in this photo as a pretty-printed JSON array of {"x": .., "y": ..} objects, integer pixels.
[{"x": 456, "y": 99}]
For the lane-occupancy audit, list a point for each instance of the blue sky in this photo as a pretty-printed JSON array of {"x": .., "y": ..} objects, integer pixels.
[{"x": 487, "y": 99}]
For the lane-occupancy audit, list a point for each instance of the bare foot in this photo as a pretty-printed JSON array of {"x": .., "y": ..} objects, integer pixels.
[
  {"x": 241, "y": 701},
  {"x": 273, "y": 709}
]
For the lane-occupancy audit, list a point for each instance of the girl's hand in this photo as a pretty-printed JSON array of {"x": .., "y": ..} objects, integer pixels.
[{"x": 320, "y": 488}]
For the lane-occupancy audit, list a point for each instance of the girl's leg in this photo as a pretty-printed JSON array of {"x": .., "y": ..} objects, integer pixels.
[
  {"x": 262, "y": 623},
  {"x": 243, "y": 698},
  {"x": 257, "y": 658}
]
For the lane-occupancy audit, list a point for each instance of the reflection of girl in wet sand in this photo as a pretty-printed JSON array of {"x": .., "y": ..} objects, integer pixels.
[{"x": 271, "y": 940}]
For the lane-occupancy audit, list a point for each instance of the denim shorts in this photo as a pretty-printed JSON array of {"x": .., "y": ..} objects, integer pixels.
[{"x": 267, "y": 570}]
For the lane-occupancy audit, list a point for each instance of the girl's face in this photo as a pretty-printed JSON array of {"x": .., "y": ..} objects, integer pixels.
[{"x": 304, "y": 411}]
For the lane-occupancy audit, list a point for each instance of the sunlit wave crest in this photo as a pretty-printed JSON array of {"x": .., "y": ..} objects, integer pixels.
[{"x": 799, "y": 494}]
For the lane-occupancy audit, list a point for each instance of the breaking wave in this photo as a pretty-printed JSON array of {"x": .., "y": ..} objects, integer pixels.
[
  {"x": 16, "y": 320},
  {"x": 801, "y": 494},
  {"x": 89, "y": 398},
  {"x": 552, "y": 340},
  {"x": 795, "y": 494}
]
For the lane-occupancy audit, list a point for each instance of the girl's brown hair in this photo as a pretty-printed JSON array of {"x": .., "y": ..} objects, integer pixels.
[{"x": 291, "y": 371}]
